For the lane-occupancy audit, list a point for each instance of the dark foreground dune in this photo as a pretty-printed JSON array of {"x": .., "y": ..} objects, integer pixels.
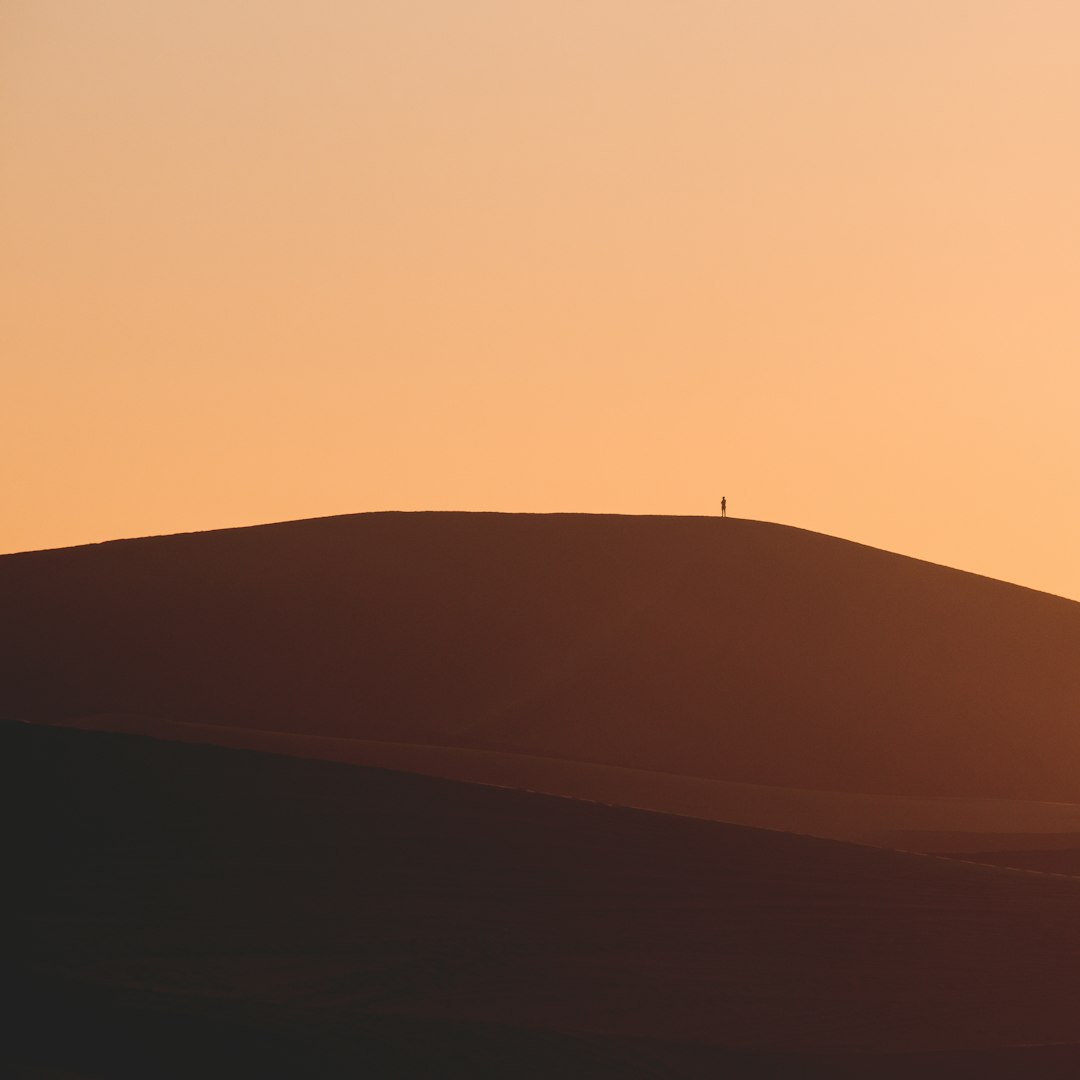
[
  {"x": 731, "y": 650},
  {"x": 188, "y": 910}
]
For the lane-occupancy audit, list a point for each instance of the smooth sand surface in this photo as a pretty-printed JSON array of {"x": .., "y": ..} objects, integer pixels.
[
  {"x": 727, "y": 650},
  {"x": 911, "y": 823},
  {"x": 215, "y": 872},
  {"x": 286, "y": 908},
  {"x": 1035, "y": 857}
]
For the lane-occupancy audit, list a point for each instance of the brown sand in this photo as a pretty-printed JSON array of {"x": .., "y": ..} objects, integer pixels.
[
  {"x": 1043, "y": 860},
  {"x": 268, "y": 906},
  {"x": 194, "y": 910},
  {"x": 730, "y": 650},
  {"x": 911, "y": 823}
]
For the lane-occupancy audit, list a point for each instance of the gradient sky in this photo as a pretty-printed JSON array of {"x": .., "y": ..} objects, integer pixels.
[{"x": 265, "y": 260}]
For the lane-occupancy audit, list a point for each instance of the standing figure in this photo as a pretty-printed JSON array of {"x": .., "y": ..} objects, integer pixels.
[{"x": 723, "y": 507}]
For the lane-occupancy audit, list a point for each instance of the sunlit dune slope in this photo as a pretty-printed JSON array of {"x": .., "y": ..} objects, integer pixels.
[
  {"x": 733, "y": 650},
  {"x": 220, "y": 887}
]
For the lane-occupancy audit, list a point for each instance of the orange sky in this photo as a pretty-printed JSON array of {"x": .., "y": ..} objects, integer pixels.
[{"x": 267, "y": 259}]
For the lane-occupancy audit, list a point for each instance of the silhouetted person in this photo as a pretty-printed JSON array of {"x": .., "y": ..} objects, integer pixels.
[{"x": 723, "y": 507}]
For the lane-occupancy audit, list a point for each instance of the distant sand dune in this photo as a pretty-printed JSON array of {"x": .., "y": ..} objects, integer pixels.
[{"x": 724, "y": 650}]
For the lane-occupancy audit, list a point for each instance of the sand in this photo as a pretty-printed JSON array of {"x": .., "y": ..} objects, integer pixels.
[
  {"x": 729, "y": 650},
  {"x": 911, "y": 823},
  {"x": 232, "y": 894},
  {"x": 507, "y": 795}
]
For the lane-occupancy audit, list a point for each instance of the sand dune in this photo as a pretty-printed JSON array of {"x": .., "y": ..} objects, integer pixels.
[
  {"x": 222, "y": 876},
  {"x": 280, "y": 904},
  {"x": 726, "y": 650},
  {"x": 1032, "y": 855},
  {"x": 913, "y": 823},
  {"x": 985, "y": 840}
]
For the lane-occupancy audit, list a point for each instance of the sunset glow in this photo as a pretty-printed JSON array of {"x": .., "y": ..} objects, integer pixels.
[{"x": 274, "y": 260}]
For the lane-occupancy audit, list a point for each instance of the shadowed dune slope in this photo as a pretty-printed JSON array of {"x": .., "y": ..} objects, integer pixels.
[
  {"x": 732, "y": 650},
  {"x": 229, "y": 896},
  {"x": 1043, "y": 860},
  {"x": 909, "y": 822}
]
